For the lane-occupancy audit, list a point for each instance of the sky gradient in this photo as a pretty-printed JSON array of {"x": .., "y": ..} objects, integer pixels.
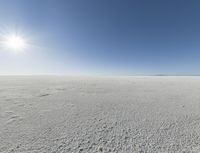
[{"x": 128, "y": 37}]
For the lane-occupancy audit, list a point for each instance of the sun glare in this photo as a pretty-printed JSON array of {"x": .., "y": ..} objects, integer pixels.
[{"x": 15, "y": 42}]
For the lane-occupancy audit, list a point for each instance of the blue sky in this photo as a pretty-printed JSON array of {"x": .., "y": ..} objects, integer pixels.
[{"x": 130, "y": 37}]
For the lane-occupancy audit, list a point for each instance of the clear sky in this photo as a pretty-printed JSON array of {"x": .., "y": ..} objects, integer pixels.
[{"x": 129, "y": 37}]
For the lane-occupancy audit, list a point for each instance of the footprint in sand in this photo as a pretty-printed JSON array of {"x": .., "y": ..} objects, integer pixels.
[
  {"x": 43, "y": 95},
  {"x": 14, "y": 118},
  {"x": 8, "y": 113}
]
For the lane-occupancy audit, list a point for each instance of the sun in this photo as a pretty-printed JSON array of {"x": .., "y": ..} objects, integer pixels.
[{"x": 15, "y": 42}]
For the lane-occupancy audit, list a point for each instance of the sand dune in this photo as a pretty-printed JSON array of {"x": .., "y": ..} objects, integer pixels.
[{"x": 99, "y": 114}]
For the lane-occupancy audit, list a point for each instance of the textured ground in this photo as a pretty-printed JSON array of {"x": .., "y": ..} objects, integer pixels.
[{"x": 99, "y": 114}]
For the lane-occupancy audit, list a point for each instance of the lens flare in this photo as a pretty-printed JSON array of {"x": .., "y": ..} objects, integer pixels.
[{"x": 15, "y": 42}]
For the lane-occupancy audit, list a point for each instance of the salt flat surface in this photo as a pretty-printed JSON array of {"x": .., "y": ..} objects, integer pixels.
[{"x": 99, "y": 114}]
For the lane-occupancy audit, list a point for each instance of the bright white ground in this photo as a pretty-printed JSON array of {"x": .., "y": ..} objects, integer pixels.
[{"x": 99, "y": 114}]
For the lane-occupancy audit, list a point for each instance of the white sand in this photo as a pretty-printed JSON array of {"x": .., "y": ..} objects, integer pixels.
[{"x": 99, "y": 114}]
